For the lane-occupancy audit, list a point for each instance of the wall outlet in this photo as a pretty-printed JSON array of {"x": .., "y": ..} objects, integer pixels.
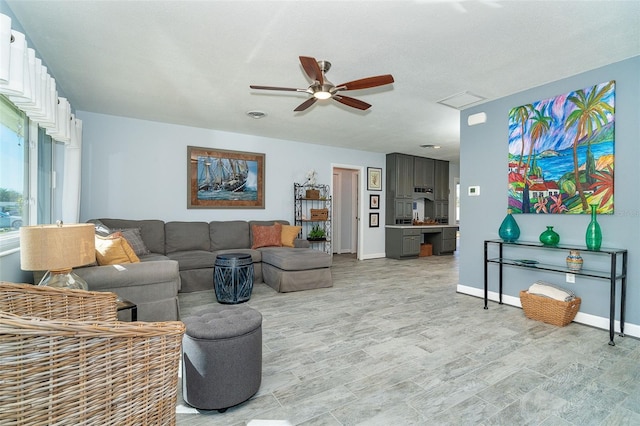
[{"x": 571, "y": 278}]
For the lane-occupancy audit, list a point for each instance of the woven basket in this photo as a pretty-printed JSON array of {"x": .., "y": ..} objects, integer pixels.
[
  {"x": 319, "y": 214},
  {"x": 549, "y": 310},
  {"x": 69, "y": 372}
]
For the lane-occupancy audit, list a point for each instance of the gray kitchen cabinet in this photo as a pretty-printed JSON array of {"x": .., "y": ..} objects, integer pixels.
[
  {"x": 401, "y": 242},
  {"x": 423, "y": 172},
  {"x": 441, "y": 174},
  {"x": 399, "y": 192},
  {"x": 448, "y": 240}
]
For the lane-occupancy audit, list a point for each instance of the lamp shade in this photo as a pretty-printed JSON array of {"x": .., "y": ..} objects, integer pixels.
[{"x": 57, "y": 247}]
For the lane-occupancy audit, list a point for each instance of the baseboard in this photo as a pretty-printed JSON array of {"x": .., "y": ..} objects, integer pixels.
[
  {"x": 581, "y": 318},
  {"x": 373, "y": 256}
]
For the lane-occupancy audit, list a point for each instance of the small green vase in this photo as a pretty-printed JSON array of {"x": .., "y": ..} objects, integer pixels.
[
  {"x": 550, "y": 237},
  {"x": 594, "y": 233}
]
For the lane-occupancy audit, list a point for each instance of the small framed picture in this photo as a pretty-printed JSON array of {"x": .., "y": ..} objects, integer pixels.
[
  {"x": 374, "y": 179},
  {"x": 374, "y": 202},
  {"x": 374, "y": 220}
]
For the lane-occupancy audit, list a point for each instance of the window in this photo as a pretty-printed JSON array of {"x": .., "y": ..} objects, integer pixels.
[{"x": 14, "y": 173}]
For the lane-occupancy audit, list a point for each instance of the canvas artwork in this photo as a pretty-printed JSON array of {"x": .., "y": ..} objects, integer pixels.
[
  {"x": 224, "y": 179},
  {"x": 561, "y": 153}
]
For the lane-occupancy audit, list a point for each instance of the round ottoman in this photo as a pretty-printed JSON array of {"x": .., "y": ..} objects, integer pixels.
[
  {"x": 222, "y": 356},
  {"x": 233, "y": 277}
]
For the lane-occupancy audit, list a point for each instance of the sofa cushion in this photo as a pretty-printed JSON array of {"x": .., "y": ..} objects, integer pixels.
[
  {"x": 266, "y": 236},
  {"x": 231, "y": 234},
  {"x": 114, "y": 250},
  {"x": 181, "y": 236},
  {"x": 295, "y": 259},
  {"x": 289, "y": 235},
  {"x": 152, "y": 231},
  {"x": 193, "y": 259}
]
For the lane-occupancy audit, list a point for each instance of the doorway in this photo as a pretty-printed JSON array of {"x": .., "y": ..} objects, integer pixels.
[{"x": 346, "y": 207}]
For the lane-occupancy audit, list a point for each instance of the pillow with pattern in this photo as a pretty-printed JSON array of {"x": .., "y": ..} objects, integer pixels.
[{"x": 267, "y": 236}]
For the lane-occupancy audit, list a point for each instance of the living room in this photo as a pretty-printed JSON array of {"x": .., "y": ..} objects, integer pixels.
[{"x": 123, "y": 178}]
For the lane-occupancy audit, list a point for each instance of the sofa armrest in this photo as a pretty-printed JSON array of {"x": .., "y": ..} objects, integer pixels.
[{"x": 112, "y": 277}]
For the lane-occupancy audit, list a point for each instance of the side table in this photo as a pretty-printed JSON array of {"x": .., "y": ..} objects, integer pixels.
[
  {"x": 126, "y": 304},
  {"x": 233, "y": 277}
]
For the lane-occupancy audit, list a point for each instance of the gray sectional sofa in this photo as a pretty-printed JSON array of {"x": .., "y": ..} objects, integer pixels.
[{"x": 181, "y": 257}]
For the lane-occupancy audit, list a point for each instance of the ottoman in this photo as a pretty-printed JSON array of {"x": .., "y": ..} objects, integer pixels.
[
  {"x": 222, "y": 356},
  {"x": 295, "y": 269}
]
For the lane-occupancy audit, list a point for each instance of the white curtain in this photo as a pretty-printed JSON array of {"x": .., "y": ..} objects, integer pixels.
[{"x": 72, "y": 173}]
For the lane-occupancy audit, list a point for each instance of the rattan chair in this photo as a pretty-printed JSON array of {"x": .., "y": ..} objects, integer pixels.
[{"x": 65, "y": 359}]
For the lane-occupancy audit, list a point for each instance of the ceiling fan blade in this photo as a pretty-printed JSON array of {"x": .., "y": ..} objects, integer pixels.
[
  {"x": 288, "y": 89},
  {"x": 366, "y": 83},
  {"x": 312, "y": 68},
  {"x": 352, "y": 102},
  {"x": 306, "y": 104}
]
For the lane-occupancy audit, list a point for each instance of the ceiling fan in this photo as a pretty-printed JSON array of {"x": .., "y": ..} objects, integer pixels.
[{"x": 324, "y": 89}]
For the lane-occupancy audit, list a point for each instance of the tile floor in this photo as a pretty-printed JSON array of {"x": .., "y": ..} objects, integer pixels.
[{"x": 392, "y": 343}]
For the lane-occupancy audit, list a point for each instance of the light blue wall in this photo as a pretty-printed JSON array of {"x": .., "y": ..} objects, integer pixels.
[
  {"x": 483, "y": 162},
  {"x": 137, "y": 169}
]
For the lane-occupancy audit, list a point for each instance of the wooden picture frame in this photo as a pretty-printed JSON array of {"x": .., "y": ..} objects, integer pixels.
[
  {"x": 374, "y": 201},
  {"x": 374, "y": 220},
  {"x": 223, "y": 179},
  {"x": 374, "y": 179}
]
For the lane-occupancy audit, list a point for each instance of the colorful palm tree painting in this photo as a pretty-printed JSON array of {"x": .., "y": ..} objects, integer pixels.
[{"x": 561, "y": 153}]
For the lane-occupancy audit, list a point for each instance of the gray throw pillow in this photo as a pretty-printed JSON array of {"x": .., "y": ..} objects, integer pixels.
[{"x": 134, "y": 238}]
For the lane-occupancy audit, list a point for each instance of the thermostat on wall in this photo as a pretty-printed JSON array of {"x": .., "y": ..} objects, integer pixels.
[{"x": 474, "y": 191}]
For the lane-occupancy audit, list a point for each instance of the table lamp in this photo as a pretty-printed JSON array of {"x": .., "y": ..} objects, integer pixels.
[{"x": 57, "y": 249}]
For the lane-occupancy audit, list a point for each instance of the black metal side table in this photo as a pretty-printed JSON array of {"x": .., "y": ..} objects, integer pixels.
[
  {"x": 233, "y": 277},
  {"x": 126, "y": 304}
]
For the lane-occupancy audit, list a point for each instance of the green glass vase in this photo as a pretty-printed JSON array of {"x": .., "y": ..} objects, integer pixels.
[
  {"x": 509, "y": 230},
  {"x": 594, "y": 233},
  {"x": 550, "y": 237}
]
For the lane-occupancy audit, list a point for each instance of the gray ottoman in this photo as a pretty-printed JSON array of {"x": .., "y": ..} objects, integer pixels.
[{"x": 222, "y": 356}]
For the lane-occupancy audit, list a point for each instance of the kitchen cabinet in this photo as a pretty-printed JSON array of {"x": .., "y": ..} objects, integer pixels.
[
  {"x": 423, "y": 172},
  {"x": 441, "y": 176},
  {"x": 402, "y": 242},
  {"x": 399, "y": 192},
  {"x": 400, "y": 175}
]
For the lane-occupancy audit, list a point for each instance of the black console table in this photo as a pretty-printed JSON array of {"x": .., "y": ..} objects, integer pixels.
[{"x": 612, "y": 274}]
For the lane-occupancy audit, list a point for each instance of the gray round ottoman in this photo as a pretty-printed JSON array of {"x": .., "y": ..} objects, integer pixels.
[{"x": 222, "y": 356}]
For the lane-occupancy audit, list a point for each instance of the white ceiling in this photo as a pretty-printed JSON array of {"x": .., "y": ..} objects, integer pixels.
[{"x": 191, "y": 62}]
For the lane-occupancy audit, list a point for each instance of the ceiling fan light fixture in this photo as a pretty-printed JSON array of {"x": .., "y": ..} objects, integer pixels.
[{"x": 321, "y": 95}]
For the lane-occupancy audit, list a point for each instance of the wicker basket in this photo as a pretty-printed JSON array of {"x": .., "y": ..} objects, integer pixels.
[
  {"x": 319, "y": 214},
  {"x": 60, "y": 370},
  {"x": 312, "y": 194},
  {"x": 549, "y": 310}
]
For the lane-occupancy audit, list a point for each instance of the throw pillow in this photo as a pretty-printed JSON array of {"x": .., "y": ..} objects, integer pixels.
[
  {"x": 267, "y": 236},
  {"x": 289, "y": 234},
  {"x": 134, "y": 238},
  {"x": 101, "y": 229},
  {"x": 113, "y": 250}
]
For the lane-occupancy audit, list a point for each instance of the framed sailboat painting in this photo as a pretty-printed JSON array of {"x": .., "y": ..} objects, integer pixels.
[{"x": 222, "y": 179}]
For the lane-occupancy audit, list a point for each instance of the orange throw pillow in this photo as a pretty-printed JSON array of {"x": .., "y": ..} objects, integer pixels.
[
  {"x": 289, "y": 235},
  {"x": 266, "y": 236},
  {"x": 114, "y": 250}
]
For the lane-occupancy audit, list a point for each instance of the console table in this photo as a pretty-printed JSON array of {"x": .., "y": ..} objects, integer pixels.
[{"x": 612, "y": 274}]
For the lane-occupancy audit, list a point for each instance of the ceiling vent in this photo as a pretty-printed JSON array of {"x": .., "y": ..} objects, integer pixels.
[
  {"x": 461, "y": 100},
  {"x": 256, "y": 114}
]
